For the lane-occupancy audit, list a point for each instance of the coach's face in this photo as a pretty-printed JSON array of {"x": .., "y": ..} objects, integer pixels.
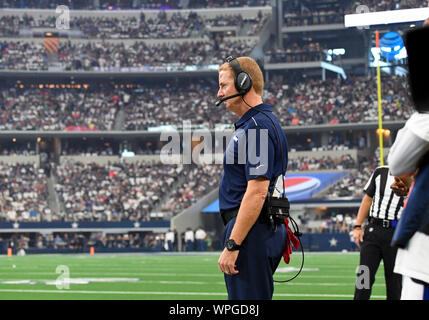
[{"x": 227, "y": 88}]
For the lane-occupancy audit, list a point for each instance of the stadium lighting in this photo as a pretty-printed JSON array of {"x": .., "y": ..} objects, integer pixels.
[
  {"x": 127, "y": 154},
  {"x": 385, "y": 17}
]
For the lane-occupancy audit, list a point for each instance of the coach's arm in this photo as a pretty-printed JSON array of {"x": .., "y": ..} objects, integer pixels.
[{"x": 250, "y": 208}]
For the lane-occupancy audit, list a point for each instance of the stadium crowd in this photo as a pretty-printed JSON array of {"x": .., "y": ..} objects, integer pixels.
[
  {"x": 351, "y": 186},
  {"x": 337, "y": 223},
  {"x": 192, "y": 240},
  {"x": 23, "y": 193},
  {"x": 313, "y": 51},
  {"x": 116, "y": 192},
  {"x": 130, "y": 4},
  {"x": 176, "y": 26},
  {"x": 200, "y": 180},
  {"x": 82, "y": 150},
  {"x": 57, "y": 109},
  {"x": 312, "y": 102},
  {"x": 95, "y": 56},
  {"x": 299, "y": 14},
  {"x": 131, "y": 191},
  {"x": 304, "y": 7},
  {"x": 171, "y": 105},
  {"x": 78, "y": 242},
  {"x": 334, "y": 101},
  {"x": 321, "y": 163},
  {"x": 22, "y": 56},
  {"x": 108, "y": 56},
  {"x": 24, "y": 149}
]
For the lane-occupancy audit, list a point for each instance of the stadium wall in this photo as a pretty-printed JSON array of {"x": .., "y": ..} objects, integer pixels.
[
  {"x": 20, "y": 159},
  {"x": 194, "y": 218}
]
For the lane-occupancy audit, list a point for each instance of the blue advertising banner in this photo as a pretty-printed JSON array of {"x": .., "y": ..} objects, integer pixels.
[
  {"x": 327, "y": 242},
  {"x": 300, "y": 186},
  {"x": 85, "y": 225}
]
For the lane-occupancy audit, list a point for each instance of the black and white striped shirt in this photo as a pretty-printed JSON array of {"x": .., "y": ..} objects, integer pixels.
[{"x": 385, "y": 203}]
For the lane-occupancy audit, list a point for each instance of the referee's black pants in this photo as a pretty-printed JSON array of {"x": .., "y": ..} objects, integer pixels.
[{"x": 376, "y": 247}]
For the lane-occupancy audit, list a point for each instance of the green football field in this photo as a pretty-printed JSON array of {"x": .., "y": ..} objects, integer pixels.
[{"x": 326, "y": 276}]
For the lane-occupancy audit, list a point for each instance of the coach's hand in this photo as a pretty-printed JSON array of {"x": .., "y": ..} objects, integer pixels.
[
  {"x": 358, "y": 236},
  {"x": 227, "y": 261}
]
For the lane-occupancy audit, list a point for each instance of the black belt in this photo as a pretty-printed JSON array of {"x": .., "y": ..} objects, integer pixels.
[
  {"x": 388, "y": 224},
  {"x": 228, "y": 215}
]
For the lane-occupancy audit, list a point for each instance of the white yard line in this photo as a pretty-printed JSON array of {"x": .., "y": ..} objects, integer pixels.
[{"x": 175, "y": 293}]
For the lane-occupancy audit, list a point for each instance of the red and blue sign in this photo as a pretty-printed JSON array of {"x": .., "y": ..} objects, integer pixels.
[{"x": 300, "y": 186}]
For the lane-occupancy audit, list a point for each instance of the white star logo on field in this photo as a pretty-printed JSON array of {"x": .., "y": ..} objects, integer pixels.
[
  {"x": 74, "y": 225},
  {"x": 16, "y": 225},
  {"x": 333, "y": 242},
  {"x": 136, "y": 225}
]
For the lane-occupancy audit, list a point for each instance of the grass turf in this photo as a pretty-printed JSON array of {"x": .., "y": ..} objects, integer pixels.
[{"x": 326, "y": 276}]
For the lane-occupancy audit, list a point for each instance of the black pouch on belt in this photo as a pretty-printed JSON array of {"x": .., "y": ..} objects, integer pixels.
[{"x": 275, "y": 211}]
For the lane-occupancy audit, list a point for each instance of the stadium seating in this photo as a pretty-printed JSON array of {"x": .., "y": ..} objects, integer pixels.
[
  {"x": 119, "y": 191},
  {"x": 143, "y": 4},
  {"x": 304, "y": 103},
  {"x": 97, "y": 183},
  {"x": 23, "y": 193}
]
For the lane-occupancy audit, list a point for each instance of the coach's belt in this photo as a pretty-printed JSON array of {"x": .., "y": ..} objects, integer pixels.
[
  {"x": 388, "y": 224},
  {"x": 228, "y": 215}
]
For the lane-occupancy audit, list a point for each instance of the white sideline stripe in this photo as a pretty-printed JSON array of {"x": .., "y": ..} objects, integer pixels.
[
  {"x": 115, "y": 292},
  {"x": 297, "y": 284},
  {"x": 215, "y": 275},
  {"x": 312, "y": 284},
  {"x": 317, "y": 295}
]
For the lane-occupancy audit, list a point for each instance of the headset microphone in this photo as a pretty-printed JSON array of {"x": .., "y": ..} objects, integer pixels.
[
  {"x": 242, "y": 80},
  {"x": 218, "y": 102}
]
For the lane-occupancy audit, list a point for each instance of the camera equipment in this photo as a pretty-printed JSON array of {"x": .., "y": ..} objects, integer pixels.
[{"x": 418, "y": 67}]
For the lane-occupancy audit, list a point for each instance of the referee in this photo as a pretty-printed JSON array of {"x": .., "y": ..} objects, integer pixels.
[{"x": 383, "y": 207}]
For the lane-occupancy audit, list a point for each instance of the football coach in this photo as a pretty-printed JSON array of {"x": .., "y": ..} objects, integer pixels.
[{"x": 252, "y": 164}]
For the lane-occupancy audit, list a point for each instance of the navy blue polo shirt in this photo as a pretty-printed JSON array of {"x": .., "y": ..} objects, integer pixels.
[{"x": 252, "y": 152}]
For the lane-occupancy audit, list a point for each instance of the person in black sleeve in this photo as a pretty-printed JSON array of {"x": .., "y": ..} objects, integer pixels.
[
  {"x": 383, "y": 207},
  {"x": 251, "y": 167}
]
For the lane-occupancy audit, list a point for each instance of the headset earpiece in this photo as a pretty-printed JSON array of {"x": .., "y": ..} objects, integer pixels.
[{"x": 243, "y": 80}]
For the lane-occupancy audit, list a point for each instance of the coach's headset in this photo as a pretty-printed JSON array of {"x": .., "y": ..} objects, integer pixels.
[
  {"x": 242, "y": 80},
  {"x": 277, "y": 208}
]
